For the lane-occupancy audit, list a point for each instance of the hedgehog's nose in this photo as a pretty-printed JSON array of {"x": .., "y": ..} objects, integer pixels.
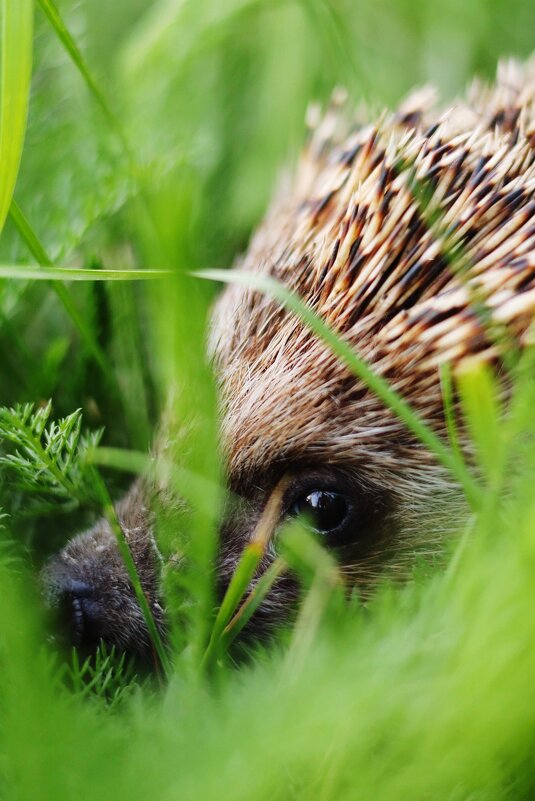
[{"x": 80, "y": 613}]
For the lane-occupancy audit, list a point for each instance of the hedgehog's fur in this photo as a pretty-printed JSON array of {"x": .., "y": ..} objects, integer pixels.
[{"x": 413, "y": 238}]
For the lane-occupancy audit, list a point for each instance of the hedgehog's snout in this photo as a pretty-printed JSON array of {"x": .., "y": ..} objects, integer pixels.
[
  {"x": 82, "y": 603},
  {"x": 79, "y": 613},
  {"x": 91, "y": 597}
]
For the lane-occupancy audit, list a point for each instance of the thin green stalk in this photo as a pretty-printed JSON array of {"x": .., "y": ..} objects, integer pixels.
[
  {"x": 39, "y": 253},
  {"x": 358, "y": 366},
  {"x": 67, "y": 274},
  {"x": 124, "y": 549},
  {"x": 239, "y": 583},
  {"x": 253, "y": 601},
  {"x": 245, "y": 571},
  {"x": 64, "y": 35},
  {"x": 449, "y": 409}
]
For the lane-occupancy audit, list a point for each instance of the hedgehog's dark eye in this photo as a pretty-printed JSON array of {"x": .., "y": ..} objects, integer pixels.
[{"x": 326, "y": 510}]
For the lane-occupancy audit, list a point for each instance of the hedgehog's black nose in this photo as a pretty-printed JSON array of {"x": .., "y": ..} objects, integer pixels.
[{"x": 79, "y": 612}]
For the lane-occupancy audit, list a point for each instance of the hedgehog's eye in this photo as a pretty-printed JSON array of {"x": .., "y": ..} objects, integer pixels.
[{"x": 326, "y": 510}]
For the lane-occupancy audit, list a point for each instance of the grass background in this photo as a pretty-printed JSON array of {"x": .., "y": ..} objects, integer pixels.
[{"x": 167, "y": 160}]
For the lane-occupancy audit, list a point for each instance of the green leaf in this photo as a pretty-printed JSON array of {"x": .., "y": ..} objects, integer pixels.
[{"x": 16, "y": 44}]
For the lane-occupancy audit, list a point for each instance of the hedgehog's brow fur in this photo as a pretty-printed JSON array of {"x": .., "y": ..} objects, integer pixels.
[{"x": 414, "y": 239}]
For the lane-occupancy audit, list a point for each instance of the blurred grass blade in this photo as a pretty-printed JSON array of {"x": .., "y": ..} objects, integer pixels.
[
  {"x": 120, "y": 459},
  {"x": 72, "y": 49},
  {"x": 346, "y": 58},
  {"x": 16, "y": 46},
  {"x": 186, "y": 483},
  {"x": 480, "y": 392},
  {"x": 320, "y": 576},
  {"x": 358, "y": 366}
]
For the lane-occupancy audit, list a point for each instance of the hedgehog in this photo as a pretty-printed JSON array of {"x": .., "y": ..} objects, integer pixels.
[{"x": 411, "y": 236}]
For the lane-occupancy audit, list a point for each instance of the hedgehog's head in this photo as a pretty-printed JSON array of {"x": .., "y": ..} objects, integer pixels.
[{"x": 413, "y": 239}]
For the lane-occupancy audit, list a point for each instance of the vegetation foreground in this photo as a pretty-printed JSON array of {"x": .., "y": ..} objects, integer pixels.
[{"x": 154, "y": 162}]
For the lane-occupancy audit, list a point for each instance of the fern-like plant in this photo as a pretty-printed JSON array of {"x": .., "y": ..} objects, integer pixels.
[
  {"x": 105, "y": 678},
  {"x": 46, "y": 458}
]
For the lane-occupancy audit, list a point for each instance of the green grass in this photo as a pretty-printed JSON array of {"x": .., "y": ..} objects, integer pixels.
[{"x": 154, "y": 138}]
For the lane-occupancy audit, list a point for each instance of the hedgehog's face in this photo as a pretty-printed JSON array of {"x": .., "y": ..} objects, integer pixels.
[
  {"x": 296, "y": 422},
  {"x": 88, "y": 585}
]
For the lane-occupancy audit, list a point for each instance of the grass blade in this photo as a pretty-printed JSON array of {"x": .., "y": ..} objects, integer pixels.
[
  {"x": 245, "y": 571},
  {"x": 448, "y": 401},
  {"x": 253, "y": 601},
  {"x": 319, "y": 573},
  {"x": 124, "y": 549},
  {"x": 39, "y": 253},
  {"x": 480, "y": 394},
  {"x": 16, "y": 46},
  {"x": 54, "y": 17},
  {"x": 22, "y": 273}
]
